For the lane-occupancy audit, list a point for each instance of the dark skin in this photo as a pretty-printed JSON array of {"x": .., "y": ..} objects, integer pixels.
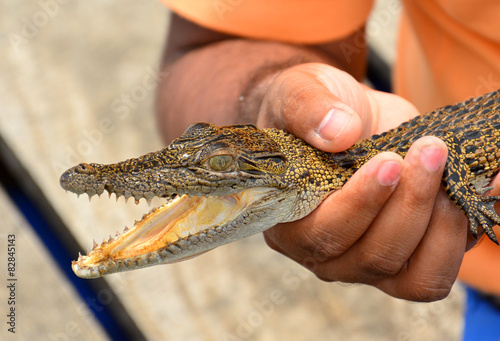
[{"x": 406, "y": 237}]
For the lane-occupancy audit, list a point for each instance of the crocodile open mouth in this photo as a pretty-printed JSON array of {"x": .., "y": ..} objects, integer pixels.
[{"x": 170, "y": 233}]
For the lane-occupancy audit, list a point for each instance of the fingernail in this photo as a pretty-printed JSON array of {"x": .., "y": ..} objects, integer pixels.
[
  {"x": 389, "y": 173},
  {"x": 432, "y": 158},
  {"x": 333, "y": 124}
]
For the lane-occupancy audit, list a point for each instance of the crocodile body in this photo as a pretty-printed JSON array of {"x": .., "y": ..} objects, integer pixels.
[{"x": 226, "y": 183}]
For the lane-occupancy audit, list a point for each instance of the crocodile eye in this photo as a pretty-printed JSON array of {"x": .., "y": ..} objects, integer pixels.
[
  {"x": 85, "y": 168},
  {"x": 220, "y": 162}
]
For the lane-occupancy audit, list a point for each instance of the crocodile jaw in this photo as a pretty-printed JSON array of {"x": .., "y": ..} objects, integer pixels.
[{"x": 183, "y": 228}]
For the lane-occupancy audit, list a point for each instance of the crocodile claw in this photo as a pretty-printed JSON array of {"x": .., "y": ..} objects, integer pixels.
[{"x": 484, "y": 216}]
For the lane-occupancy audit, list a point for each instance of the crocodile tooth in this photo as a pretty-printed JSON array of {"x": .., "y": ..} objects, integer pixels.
[
  {"x": 79, "y": 256},
  {"x": 111, "y": 266},
  {"x": 173, "y": 248},
  {"x": 136, "y": 222},
  {"x": 183, "y": 244},
  {"x": 90, "y": 197},
  {"x": 125, "y": 229},
  {"x": 117, "y": 234},
  {"x": 110, "y": 239},
  {"x": 194, "y": 239},
  {"x": 137, "y": 201},
  {"x": 143, "y": 260},
  {"x": 148, "y": 201},
  {"x": 157, "y": 257},
  {"x": 94, "y": 244},
  {"x": 164, "y": 253}
]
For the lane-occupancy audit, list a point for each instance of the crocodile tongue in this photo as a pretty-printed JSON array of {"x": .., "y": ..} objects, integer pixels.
[{"x": 169, "y": 233}]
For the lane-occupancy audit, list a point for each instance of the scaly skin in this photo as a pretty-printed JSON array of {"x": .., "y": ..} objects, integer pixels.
[{"x": 227, "y": 183}]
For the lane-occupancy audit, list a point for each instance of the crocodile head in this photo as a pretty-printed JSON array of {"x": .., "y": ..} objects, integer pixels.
[{"x": 221, "y": 184}]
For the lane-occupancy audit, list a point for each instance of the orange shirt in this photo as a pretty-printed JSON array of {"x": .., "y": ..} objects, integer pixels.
[
  {"x": 291, "y": 21},
  {"x": 448, "y": 51}
]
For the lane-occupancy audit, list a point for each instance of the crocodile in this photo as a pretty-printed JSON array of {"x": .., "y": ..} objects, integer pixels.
[{"x": 225, "y": 183}]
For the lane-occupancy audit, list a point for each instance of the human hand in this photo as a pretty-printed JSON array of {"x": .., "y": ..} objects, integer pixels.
[
  {"x": 328, "y": 108},
  {"x": 390, "y": 226}
]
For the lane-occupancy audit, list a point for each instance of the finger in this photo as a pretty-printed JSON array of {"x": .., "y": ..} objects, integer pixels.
[
  {"x": 318, "y": 103},
  {"x": 401, "y": 224},
  {"x": 343, "y": 217},
  {"x": 433, "y": 268},
  {"x": 394, "y": 109}
]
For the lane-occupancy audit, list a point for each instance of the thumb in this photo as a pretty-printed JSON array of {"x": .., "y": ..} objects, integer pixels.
[{"x": 323, "y": 105}]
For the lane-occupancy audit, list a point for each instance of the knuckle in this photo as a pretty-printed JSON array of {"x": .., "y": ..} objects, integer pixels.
[
  {"x": 415, "y": 208},
  {"x": 271, "y": 243},
  {"x": 296, "y": 97},
  {"x": 416, "y": 214},
  {"x": 421, "y": 199},
  {"x": 322, "y": 245},
  {"x": 383, "y": 263},
  {"x": 431, "y": 289},
  {"x": 293, "y": 99}
]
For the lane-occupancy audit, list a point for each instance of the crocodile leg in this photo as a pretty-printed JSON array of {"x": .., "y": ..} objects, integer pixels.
[{"x": 479, "y": 209}]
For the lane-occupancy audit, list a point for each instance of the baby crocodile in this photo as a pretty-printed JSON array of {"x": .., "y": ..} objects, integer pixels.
[{"x": 226, "y": 183}]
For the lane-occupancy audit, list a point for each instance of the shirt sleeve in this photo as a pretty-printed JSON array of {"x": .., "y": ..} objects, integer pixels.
[{"x": 290, "y": 21}]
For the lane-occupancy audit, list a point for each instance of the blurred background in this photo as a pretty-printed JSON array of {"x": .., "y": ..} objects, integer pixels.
[{"x": 77, "y": 85}]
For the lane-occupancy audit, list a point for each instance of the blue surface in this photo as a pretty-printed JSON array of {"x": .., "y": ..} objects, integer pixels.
[
  {"x": 482, "y": 318},
  {"x": 63, "y": 259}
]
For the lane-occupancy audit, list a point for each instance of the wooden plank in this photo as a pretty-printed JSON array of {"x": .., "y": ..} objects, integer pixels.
[
  {"x": 79, "y": 89},
  {"x": 45, "y": 305}
]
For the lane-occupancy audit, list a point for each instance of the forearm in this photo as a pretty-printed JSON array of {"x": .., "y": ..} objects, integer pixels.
[{"x": 223, "y": 82}]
